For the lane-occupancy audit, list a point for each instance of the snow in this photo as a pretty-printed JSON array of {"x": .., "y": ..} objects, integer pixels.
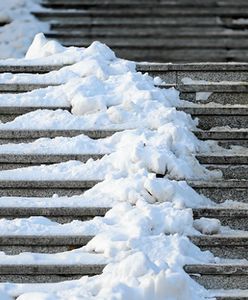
[
  {"x": 143, "y": 237},
  {"x": 17, "y": 35}
]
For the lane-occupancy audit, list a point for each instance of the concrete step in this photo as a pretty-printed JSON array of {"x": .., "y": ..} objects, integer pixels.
[
  {"x": 220, "y": 245},
  {"x": 45, "y": 188},
  {"x": 174, "y": 33},
  {"x": 225, "y": 138},
  {"x": 219, "y": 116},
  {"x": 141, "y": 24},
  {"x": 164, "y": 10},
  {"x": 224, "y": 246},
  {"x": 220, "y": 276},
  {"x": 14, "y": 161},
  {"x": 20, "y": 136},
  {"x": 216, "y": 190},
  {"x": 9, "y": 113},
  {"x": 231, "y": 171},
  {"x": 235, "y": 217},
  {"x": 58, "y": 214},
  {"x": 41, "y": 69},
  {"x": 16, "y": 244},
  {"x": 221, "y": 190},
  {"x": 219, "y": 159},
  {"x": 113, "y": 4},
  {"x": 34, "y": 273},
  {"x": 22, "y": 87},
  {"x": 177, "y": 55},
  {"x": 229, "y": 294},
  {"x": 139, "y": 31},
  {"x": 189, "y": 41}
]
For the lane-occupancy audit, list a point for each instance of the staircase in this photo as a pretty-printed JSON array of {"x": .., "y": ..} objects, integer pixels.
[
  {"x": 225, "y": 85},
  {"x": 158, "y": 30}
]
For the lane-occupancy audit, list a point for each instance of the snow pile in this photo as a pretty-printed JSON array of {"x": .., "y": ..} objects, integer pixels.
[
  {"x": 143, "y": 237},
  {"x": 17, "y": 35}
]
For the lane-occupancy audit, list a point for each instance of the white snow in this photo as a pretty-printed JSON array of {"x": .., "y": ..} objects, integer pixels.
[
  {"x": 143, "y": 237},
  {"x": 17, "y": 35}
]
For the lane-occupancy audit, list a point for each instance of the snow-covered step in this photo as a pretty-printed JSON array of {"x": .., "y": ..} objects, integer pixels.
[
  {"x": 31, "y": 273},
  {"x": 15, "y": 244},
  {"x": 235, "y": 217},
  {"x": 220, "y": 276},
  {"x": 9, "y": 113},
  {"x": 223, "y": 246},
  {"x": 59, "y": 214},
  {"x": 221, "y": 190}
]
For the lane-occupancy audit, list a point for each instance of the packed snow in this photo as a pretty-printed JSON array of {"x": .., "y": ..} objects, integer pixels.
[{"x": 143, "y": 237}]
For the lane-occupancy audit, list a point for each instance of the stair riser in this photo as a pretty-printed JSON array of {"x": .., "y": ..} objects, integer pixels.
[{"x": 223, "y": 281}]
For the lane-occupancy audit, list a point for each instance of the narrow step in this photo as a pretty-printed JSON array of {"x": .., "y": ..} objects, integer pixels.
[
  {"x": 224, "y": 246},
  {"x": 13, "y": 161},
  {"x": 34, "y": 273},
  {"x": 9, "y": 113},
  {"x": 236, "y": 218},
  {"x": 220, "y": 276}
]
